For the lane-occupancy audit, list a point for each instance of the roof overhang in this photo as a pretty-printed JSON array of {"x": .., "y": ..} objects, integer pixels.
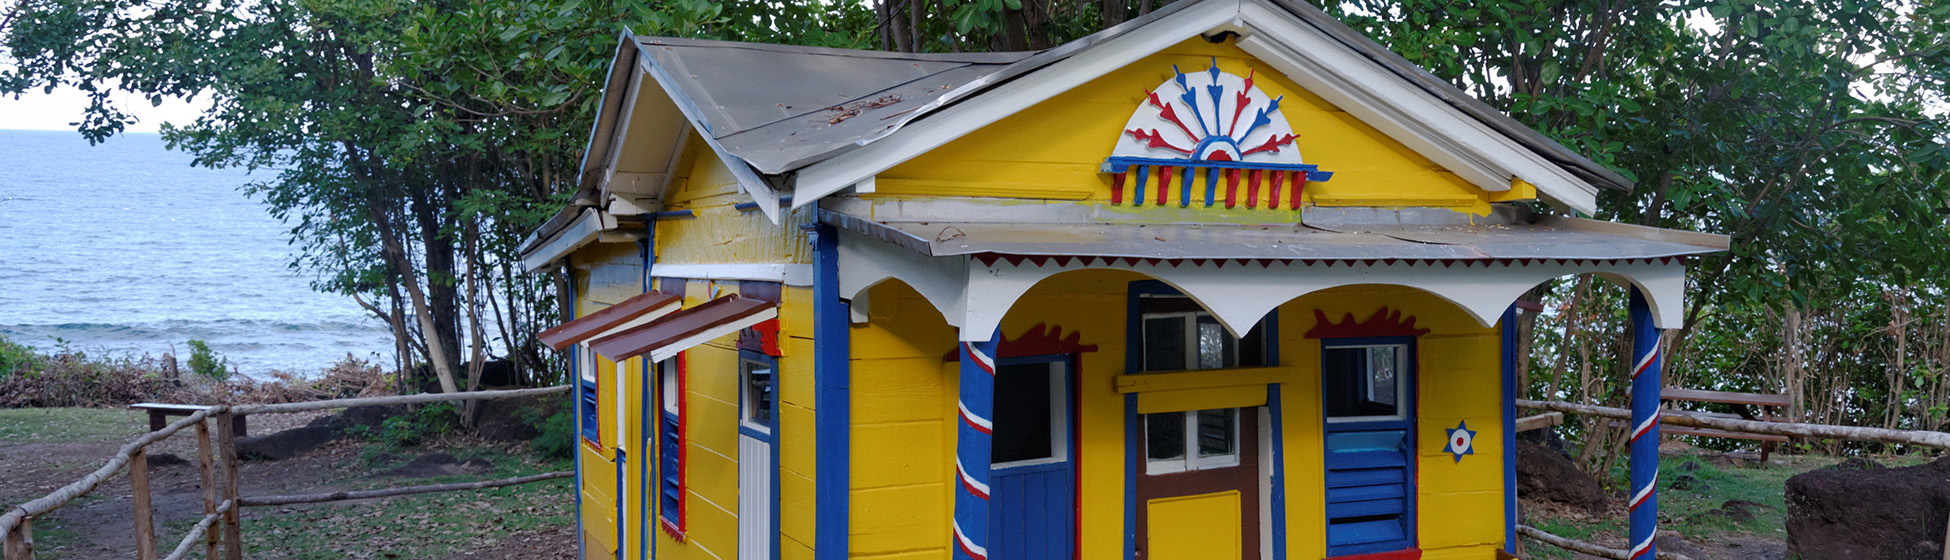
[
  {"x": 571, "y": 229},
  {"x": 638, "y": 310},
  {"x": 685, "y": 329}
]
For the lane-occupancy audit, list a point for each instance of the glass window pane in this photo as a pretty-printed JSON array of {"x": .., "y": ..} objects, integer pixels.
[
  {"x": 1164, "y": 436},
  {"x": 1218, "y": 432},
  {"x": 1342, "y": 373},
  {"x": 1164, "y": 343},
  {"x": 1023, "y": 428},
  {"x": 758, "y": 393},
  {"x": 1216, "y": 347},
  {"x": 1383, "y": 362}
]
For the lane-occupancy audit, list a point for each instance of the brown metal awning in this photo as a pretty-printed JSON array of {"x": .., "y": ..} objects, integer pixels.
[
  {"x": 685, "y": 329},
  {"x": 642, "y": 308}
]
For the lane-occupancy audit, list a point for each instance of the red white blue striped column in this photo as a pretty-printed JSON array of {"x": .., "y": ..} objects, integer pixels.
[
  {"x": 1646, "y": 359},
  {"x": 973, "y": 433}
]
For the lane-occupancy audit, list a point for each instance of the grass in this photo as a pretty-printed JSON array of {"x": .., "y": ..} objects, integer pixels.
[
  {"x": 418, "y": 526},
  {"x": 71, "y": 424}
]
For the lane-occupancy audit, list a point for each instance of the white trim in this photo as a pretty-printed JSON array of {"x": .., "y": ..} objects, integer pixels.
[
  {"x": 1402, "y": 357},
  {"x": 746, "y": 399},
  {"x": 587, "y": 226},
  {"x": 670, "y": 350},
  {"x": 790, "y": 274},
  {"x": 1191, "y": 461},
  {"x": 940, "y": 127},
  {"x": 670, "y": 307}
]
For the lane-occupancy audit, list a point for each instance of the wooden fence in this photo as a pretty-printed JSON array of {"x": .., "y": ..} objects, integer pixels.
[{"x": 219, "y": 529}]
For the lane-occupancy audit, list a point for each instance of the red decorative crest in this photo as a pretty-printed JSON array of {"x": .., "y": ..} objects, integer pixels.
[
  {"x": 1384, "y": 322},
  {"x": 1040, "y": 340}
]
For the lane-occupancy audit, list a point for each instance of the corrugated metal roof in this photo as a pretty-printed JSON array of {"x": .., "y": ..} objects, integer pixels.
[
  {"x": 1552, "y": 239},
  {"x": 694, "y": 325},
  {"x": 565, "y": 334}
]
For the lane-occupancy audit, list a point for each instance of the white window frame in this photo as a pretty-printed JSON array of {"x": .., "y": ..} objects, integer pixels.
[
  {"x": 667, "y": 386},
  {"x": 1191, "y": 461},
  {"x": 747, "y": 401},
  {"x": 1402, "y": 357},
  {"x": 1059, "y": 424}
]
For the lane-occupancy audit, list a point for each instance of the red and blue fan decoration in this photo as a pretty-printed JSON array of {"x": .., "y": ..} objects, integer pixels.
[{"x": 1215, "y": 127}]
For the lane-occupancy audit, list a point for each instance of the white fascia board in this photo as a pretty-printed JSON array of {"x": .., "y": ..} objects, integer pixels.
[
  {"x": 1405, "y": 112},
  {"x": 848, "y": 169},
  {"x": 586, "y": 228},
  {"x": 670, "y": 351},
  {"x": 620, "y": 132},
  {"x": 748, "y": 180},
  {"x": 790, "y": 274}
]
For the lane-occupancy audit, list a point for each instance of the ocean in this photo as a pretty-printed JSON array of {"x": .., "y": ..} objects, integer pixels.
[{"x": 123, "y": 248}]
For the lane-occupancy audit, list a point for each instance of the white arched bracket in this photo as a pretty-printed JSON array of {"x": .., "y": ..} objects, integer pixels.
[
  {"x": 1239, "y": 292},
  {"x": 866, "y": 262}
]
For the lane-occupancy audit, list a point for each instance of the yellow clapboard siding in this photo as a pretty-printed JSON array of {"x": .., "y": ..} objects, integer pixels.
[
  {"x": 712, "y": 529},
  {"x": 797, "y": 439},
  {"x": 712, "y": 426},
  {"x": 790, "y": 549},
  {"x": 1459, "y": 519},
  {"x": 902, "y": 454},
  {"x": 798, "y": 516},
  {"x": 797, "y": 382},
  {"x": 1483, "y": 552},
  {"x": 899, "y": 519},
  {"x": 1197, "y": 527},
  {"x": 1210, "y": 379},
  {"x": 897, "y": 390}
]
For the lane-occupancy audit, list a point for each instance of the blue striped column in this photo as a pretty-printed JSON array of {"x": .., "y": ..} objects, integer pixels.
[
  {"x": 972, "y": 435},
  {"x": 1645, "y": 429}
]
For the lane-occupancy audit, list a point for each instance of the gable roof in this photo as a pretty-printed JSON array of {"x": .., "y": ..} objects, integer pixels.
[{"x": 850, "y": 114}]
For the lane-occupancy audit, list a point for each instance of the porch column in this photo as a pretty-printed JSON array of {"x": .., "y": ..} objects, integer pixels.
[
  {"x": 1645, "y": 431},
  {"x": 972, "y": 436}
]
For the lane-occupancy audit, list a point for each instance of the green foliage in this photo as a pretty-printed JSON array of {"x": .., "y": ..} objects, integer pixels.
[
  {"x": 558, "y": 433},
  {"x": 205, "y": 362},
  {"x": 16, "y": 359},
  {"x": 413, "y": 428}
]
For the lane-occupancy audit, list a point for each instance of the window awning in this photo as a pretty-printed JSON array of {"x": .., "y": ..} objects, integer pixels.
[
  {"x": 684, "y": 329},
  {"x": 637, "y": 310}
]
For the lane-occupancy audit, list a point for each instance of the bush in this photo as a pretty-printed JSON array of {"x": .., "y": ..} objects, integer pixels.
[
  {"x": 558, "y": 437},
  {"x": 16, "y": 359},
  {"x": 205, "y": 362},
  {"x": 413, "y": 428},
  {"x": 72, "y": 378}
]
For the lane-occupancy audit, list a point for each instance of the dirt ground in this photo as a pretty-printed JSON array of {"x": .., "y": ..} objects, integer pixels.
[{"x": 99, "y": 525}]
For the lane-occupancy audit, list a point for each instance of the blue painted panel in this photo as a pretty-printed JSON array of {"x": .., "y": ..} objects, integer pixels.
[
  {"x": 1366, "y": 508},
  {"x": 1365, "y": 460},
  {"x": 1359, "y": 493},
  {"x": 1390, "y": 440},
  {"x": 1382, "y": 532},
  {"x": 1366, "y": 477}
]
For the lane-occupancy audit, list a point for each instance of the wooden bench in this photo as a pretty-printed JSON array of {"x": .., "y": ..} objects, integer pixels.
[
  {"x": 159, "y": 414},
  {"x": 1750, "y": 406}
]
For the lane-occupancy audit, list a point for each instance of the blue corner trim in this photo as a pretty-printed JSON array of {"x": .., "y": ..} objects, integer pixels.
[
  {"x": 646, "y": 426},
  {"x": 833, "y": 401},
  {"x": 1277, "y": 414},
  {"x": 1510, "y": 393},
  {"x": 622, "y": 504}
]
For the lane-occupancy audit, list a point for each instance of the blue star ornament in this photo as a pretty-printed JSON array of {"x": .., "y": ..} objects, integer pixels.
[{"x": 1462, "y": 441}]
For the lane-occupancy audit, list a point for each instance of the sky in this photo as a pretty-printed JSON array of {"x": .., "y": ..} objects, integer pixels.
[{"x": 53, "y": 111}]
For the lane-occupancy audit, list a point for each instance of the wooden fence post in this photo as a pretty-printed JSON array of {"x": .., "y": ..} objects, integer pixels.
[
  {"x": 233, "y": 545},
  {"x": 209, "y": 474},
  {"x": 145, "y": 527},
  {"x": 20, "y": 542}
]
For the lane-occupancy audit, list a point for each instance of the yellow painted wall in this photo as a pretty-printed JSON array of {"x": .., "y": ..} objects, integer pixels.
[
  {"x": 721, "y": 233},
  {"x": 903, "y": 398},
  {"x": 1053, "y": 150}
]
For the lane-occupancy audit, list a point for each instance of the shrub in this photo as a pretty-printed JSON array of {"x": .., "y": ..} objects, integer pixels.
[
  {"x": 410, "y": 429},
  {"x": 558, "y": 437},
  {"x": 16, "y": 359},
  {"x": 205, "y": 362}
]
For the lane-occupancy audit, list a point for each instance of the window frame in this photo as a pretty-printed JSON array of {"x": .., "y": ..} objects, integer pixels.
[
  {"x": 673, "y": 479},
  {"x": 1405, "y": 365},
  {"x": 1059, "y": 416},
  {"x": 745, "y": 398},
  {"x": 1191, "y": 461},
  {"x": 589, "y": 396}
]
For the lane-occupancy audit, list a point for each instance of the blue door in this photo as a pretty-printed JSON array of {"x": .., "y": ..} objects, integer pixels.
[
  {"x": 1368, "y": 396},
  {"x": 1031, "y": 485}
]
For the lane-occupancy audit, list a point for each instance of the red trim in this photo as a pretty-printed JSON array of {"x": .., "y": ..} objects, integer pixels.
[
  {"x": 1164, "y": 183},
  {"x": 1404, "y": 554},
  {"x": 1384, "y": 322},
  {"x": 1232, "y": 187},
  {"x": 1039, "y": 340},
  {"x": 1252, "y": 189},
  {"x": 1117, "y": 188}
]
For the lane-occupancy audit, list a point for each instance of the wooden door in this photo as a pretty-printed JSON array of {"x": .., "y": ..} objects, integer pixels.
[
  {"x": 1198, "y": 485},
  {"x": 1368, "y": 397},
  {"x": 1033, "y": 511}
]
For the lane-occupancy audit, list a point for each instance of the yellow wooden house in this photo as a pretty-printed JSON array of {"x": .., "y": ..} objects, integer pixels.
[{"x": 1227, "y": 281}]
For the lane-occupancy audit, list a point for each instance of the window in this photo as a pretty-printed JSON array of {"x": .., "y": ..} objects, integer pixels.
[
  {"x": 670, "y": 435},
  {"x": 757, "y": 399},
  {"x": 1190, "y": 441},
  {"x": 1030, "y": 421},
  {"x": 1178, "y": 335},
  {"x": 588, "y": 393},
  {"x": 1364, "y": 382}
]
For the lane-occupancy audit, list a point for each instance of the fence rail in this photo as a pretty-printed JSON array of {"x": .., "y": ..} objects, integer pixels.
[{"x": 219, "y": 526}]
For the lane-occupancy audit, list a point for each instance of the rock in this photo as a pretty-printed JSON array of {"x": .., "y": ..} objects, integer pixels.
[
  {"x": 1668, "y": 541},
  {"x": 370, "y": 416},
  {"x": 166, "y": 460},
  {"x": 1543, "y": 474},
  {"x": 1738, "y": 511},
  {"x": 286, "y": 444},
  {"x": 1883, "y": 513},
  {"x": 515, "y": 419},
  {"x": 1683, "y": 482}
]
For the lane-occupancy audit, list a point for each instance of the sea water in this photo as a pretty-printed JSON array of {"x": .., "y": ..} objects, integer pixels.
[{"x": 125, "y": 248}]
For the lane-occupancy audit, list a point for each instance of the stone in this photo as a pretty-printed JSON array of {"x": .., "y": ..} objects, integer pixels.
[
  {"x": 1739, "y": 511},
  {"x": 1668, "y": 541},
  {"x": 286, "y": 444},
  {"x": 1543, "y": 474},
  {"x": 1883, "y": 513},
  {"x": 166, "y": 460}
]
